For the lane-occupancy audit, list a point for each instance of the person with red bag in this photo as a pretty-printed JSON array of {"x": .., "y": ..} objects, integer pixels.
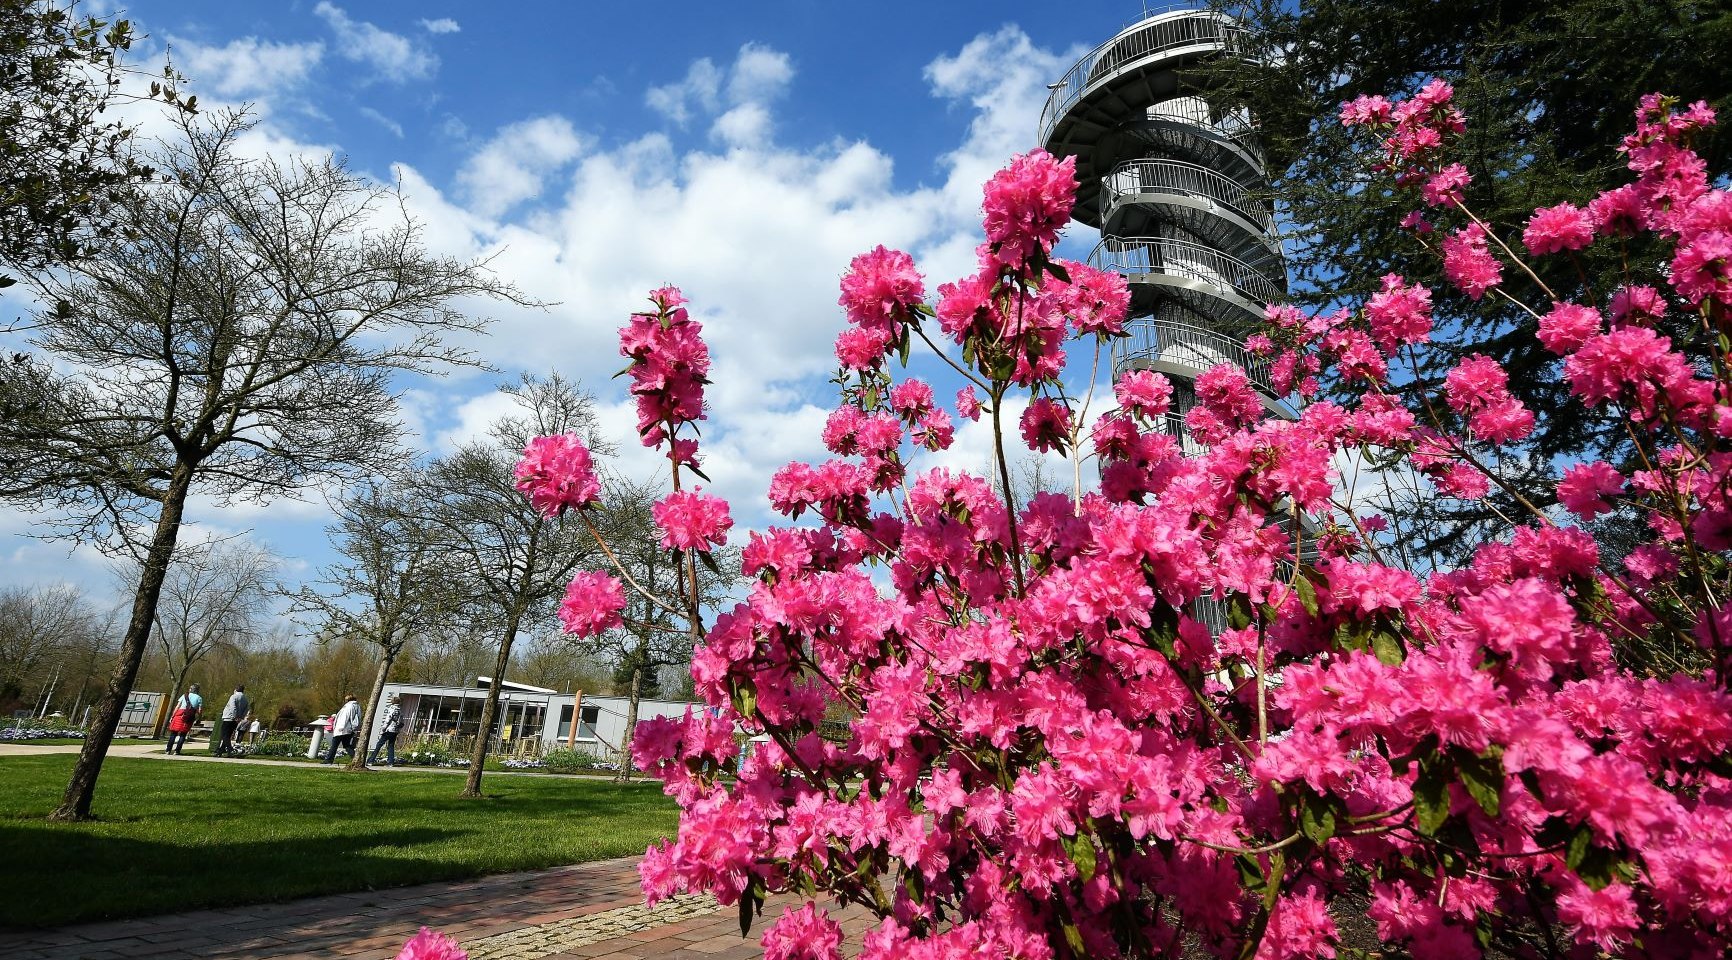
[{"x": 186, "y": 714}]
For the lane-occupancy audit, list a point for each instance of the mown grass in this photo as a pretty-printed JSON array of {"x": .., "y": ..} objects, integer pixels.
[{"x": 180, "y": 836}]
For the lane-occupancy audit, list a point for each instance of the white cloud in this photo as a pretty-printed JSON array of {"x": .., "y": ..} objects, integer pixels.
[
  {"x": 740, "y": 94},
  {"x": 391, "y": 55},
  {"x": 512, "y": 166},
  {"x": 441, "y": 25},
  {"x": 247, "y": 67},
  {"x": 700, "y": 90},
  {"x": 760, "y": 75},
  {"x": 393, "y": 126}
]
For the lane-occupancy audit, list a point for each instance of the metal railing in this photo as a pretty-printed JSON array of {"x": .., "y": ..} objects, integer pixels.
[
  {"x": 1152, "y": 338},
  {"x": 1197, "y": 112},
  {"x": 1175, "y": 177},
  {"x": 1162, "y": 32},
  {"x": 1187, "y": 260}
]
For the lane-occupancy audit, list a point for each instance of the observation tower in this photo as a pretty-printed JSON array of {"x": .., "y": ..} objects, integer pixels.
[{"x": 1173, "y": 181}]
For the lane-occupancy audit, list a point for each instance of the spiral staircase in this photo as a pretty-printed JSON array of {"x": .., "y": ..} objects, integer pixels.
[{"x": 1174, "y": 182}]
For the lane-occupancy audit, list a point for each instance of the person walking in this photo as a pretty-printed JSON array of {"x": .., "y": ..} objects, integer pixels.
[
  {"x": 180, "y": 723},
  {"x": 234, "y": 712},
  {"x": 343, "y": 727},
  {"x": 253, "y": 732},
  {"x": 389, "y": 724}
]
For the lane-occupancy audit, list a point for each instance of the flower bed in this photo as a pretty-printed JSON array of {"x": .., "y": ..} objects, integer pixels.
[{"x": 40, "y": 730}]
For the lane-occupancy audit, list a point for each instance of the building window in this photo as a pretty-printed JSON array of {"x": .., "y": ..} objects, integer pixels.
[{"x": 586, "y": 723}]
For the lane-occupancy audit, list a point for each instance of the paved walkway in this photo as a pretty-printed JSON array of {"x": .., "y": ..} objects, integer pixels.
[{"x": 591, "y": 910}]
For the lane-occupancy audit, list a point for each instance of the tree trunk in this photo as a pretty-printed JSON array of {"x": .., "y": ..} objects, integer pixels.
[
  {"x": 490, "y": 710},
  {"x": 630, "y": 725},
  {"x": 82, "y": 787},
  {"x": 387, "y": 656}
]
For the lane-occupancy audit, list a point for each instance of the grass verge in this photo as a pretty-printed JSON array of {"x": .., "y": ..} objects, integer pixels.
[{"x": 182, "y": 836}]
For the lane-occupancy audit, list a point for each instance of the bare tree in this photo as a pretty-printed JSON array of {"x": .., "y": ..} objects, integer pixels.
[
  {"x": 385, "y": 591},
  {"x": 240, "y": 339},
  {"x": 509, "y": 562},
  {"x": 213, "y": 598},
  {"x": 45, "y": 634}
]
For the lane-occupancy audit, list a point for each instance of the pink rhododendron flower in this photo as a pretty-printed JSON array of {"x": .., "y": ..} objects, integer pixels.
[
  {"x": 967, "y": 404},
  {"x": 1639, "y": 304},
  {"x": 1046, "y": 426},
  {"x": 1702, "y": 268},
  {"x": 592, "y": 606},
  {"x": 861, "y": 349},
  {"x": 557, "y": 474},
  {"x": 1585, "y": 486},
  {"x": 431, "y": 945},
  {"x": 804, "y": 934},
  {"x": 1144, "y": 393},
  {"x": 1444, "y": 187},
  {"x": 1365, "y": 111},
  {"x": 1399, "y": 314},
  {"x": 1567, "y": 327},
  {"x": 1563, "y": 227},
  {"x": 1618, "y": 212},
  {"x": 1468, "y": 263},
  {"x": 880, "y": 288},
  {"x": 1027, "y": 204},
  {"x": 692, "y": 520}
]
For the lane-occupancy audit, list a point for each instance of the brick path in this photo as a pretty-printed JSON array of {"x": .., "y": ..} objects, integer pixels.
[{"x": 591, "y": 910}]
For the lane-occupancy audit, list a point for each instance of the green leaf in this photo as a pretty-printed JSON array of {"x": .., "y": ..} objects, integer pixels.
[
  {"x": 1239, "y": 612},
  {"x": 1387, "y": 646},
  {"x": 1082, "y": 853},
  {"x": 745, "y": 914},
  {"x": 701, "y": 475},
  {"x": 1307, "y": 592},
  {"x": 1483, "y": 778},
  {"x": 1581, "y": 843},
  {"x": 1317, "y": 820},
  {"x": 1430, "y": 797},
  {"x": 1073, "y": 937},
  {"x": 1053, "y": 267}
]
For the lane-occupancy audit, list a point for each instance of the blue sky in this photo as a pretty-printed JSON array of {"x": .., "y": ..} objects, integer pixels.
[{"x": 596, "y": 150}]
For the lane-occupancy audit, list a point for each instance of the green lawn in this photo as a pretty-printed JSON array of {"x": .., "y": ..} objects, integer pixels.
[{"x": 179, "y": 836}]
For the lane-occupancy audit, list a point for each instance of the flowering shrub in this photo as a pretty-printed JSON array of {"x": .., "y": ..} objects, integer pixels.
[
  {"x": 40, "y": 730},
  {"x": 1051, "y": 756},
  {"x": 432, "y": 754},
  {"x": 276, "y": 745},
  {"x": 575, "y": 761}
]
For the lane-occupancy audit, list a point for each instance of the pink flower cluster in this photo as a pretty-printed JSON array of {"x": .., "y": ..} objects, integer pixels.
[
  {"x": 592, "y": 605},
  {"x": 432, "y": 945},
  {"x": 1162, "y": 715},
  {"x": 691, "y": 520},
  {"x": 670, "y": 364},
  {"x": 557, "y": 474}
]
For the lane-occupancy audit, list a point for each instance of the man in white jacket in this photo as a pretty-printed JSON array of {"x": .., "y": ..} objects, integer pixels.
[{"x": 343, "y": 729}]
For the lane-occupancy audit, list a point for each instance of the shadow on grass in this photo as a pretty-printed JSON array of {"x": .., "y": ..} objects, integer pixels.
[
  {"x": 180, "y": 836},
  {"x": 60, "y": 876}
]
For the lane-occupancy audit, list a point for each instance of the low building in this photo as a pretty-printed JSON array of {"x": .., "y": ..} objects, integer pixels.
[{"x": 532, "y": 720}]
